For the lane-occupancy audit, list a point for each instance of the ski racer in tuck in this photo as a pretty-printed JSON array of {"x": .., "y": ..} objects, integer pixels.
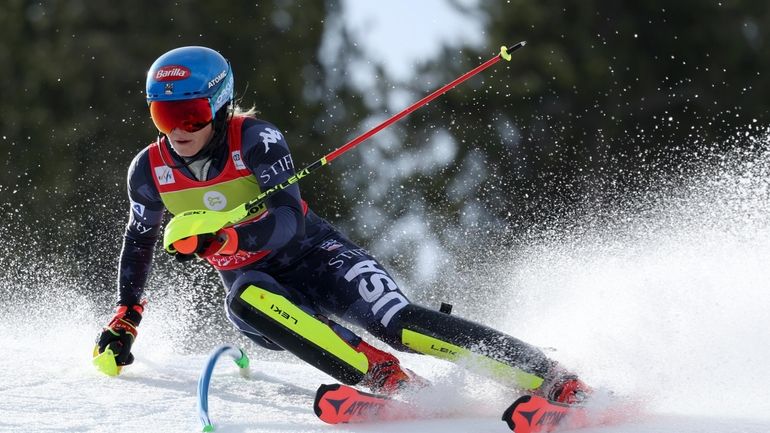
[{"x": 287, "y": 271}]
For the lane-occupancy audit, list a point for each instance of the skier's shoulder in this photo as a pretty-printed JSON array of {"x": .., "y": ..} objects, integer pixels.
[
  {"x": 258, "y": 130},
  {"x": 262, "y": 138},
  {"x": 139, "y": 178},
  {"x": 255, "y": 124},
  {"x": 140, "y": 164}
]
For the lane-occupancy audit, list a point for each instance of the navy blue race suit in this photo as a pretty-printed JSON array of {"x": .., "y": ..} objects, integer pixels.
[
  {"x": 311, "y": 264},
  {"x": 309, "y": 258}
]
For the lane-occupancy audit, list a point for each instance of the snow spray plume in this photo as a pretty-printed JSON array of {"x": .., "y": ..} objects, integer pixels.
[{"x": 666, "y": 292}]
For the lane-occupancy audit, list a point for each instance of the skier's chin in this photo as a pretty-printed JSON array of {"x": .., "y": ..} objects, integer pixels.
[
  {"x": 187, "y": 144},
  {"x": 186, "y": 148}
]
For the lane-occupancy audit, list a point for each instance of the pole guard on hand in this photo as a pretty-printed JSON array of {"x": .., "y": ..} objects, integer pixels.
[{"x": 105, "y": 361}]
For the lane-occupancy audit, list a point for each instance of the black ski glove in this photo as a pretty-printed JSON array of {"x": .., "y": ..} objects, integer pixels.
[{"x": 118, "y": 336}]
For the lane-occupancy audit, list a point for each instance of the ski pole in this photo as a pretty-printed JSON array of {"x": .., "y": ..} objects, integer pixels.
[{"x": 190, "y": 223}]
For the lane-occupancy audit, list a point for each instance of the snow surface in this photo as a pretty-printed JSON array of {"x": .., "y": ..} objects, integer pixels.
[
  {"x": 666, "y": 299},
  {"x": 158, "y": 394}
]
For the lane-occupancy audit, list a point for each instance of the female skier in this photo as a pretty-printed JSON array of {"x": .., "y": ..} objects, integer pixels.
[{"x": 287, "y": 271}]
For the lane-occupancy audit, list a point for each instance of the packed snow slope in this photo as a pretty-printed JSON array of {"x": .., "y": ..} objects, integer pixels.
[{"x": 664, "y": 297}]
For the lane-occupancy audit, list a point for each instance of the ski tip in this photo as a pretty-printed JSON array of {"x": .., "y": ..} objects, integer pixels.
[
  {"x": 508, "y": 414},
  {"x": 508, "y": 417},
  {"x": 319, "y": 395},
  {"x": 208, "y": 428},
  {"x": 324, "y": 388}
]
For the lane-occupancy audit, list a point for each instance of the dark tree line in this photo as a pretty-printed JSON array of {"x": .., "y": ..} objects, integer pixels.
[
  {"x": 73, "y": 112},
  {"x": 605, "y": 94}
]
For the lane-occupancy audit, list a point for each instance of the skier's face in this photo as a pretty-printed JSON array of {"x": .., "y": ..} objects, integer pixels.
[{"x": 188, "y": 144}]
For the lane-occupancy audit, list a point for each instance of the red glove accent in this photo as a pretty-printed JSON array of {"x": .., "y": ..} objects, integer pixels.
[
  {"x": 224, "y": 242},
  {"x": 230, "y": 246},
  {"x": 125, "y": 320},
  {"x": 120, "y": 333}
]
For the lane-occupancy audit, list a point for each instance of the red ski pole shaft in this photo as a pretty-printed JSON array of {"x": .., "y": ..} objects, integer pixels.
[
  {"x": 184, "y": 225},
  {"x": 447, "y": 87},
  {"x": 257, "y": 203}
]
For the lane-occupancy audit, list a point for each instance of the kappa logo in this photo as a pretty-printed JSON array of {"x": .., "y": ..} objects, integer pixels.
[
  {"x": 270, "y": 136},
  {"x": 214, "y": 200},
  {"x": 164, "y": 174}
]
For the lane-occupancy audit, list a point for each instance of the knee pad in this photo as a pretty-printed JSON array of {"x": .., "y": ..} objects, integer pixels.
[
  {"x": 262, "y": 279},
  {"x": 249, "y": 331},
  {"x": 259, "y": 279},
  {"x": 263, "y": 341}
]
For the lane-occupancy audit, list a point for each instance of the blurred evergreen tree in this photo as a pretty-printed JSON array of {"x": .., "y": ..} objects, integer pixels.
[
  {"x": 73, "y": 112},
  {"x": 605, "y": 91},
  {"x": 605, "y": 97}
]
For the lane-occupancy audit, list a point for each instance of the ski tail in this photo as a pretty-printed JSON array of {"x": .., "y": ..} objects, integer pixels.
[{"x": 337, "y": 403}]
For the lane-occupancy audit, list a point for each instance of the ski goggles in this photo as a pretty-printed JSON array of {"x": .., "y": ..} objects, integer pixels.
[{"x": 190, "y": 115}]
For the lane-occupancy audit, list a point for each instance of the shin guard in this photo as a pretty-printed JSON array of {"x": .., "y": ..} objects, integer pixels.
[
  {"x": 478, "y": 347},
  {"x": 302, "y": 334}
]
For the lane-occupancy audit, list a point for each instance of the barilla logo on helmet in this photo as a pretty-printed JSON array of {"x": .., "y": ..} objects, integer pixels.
[{"x": 172, "y": 73}]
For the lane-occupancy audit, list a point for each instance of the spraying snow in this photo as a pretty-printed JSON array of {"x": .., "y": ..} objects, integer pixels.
[
  {"x": 663, "y": 296},
  {"x": 667, "y": 297}
]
